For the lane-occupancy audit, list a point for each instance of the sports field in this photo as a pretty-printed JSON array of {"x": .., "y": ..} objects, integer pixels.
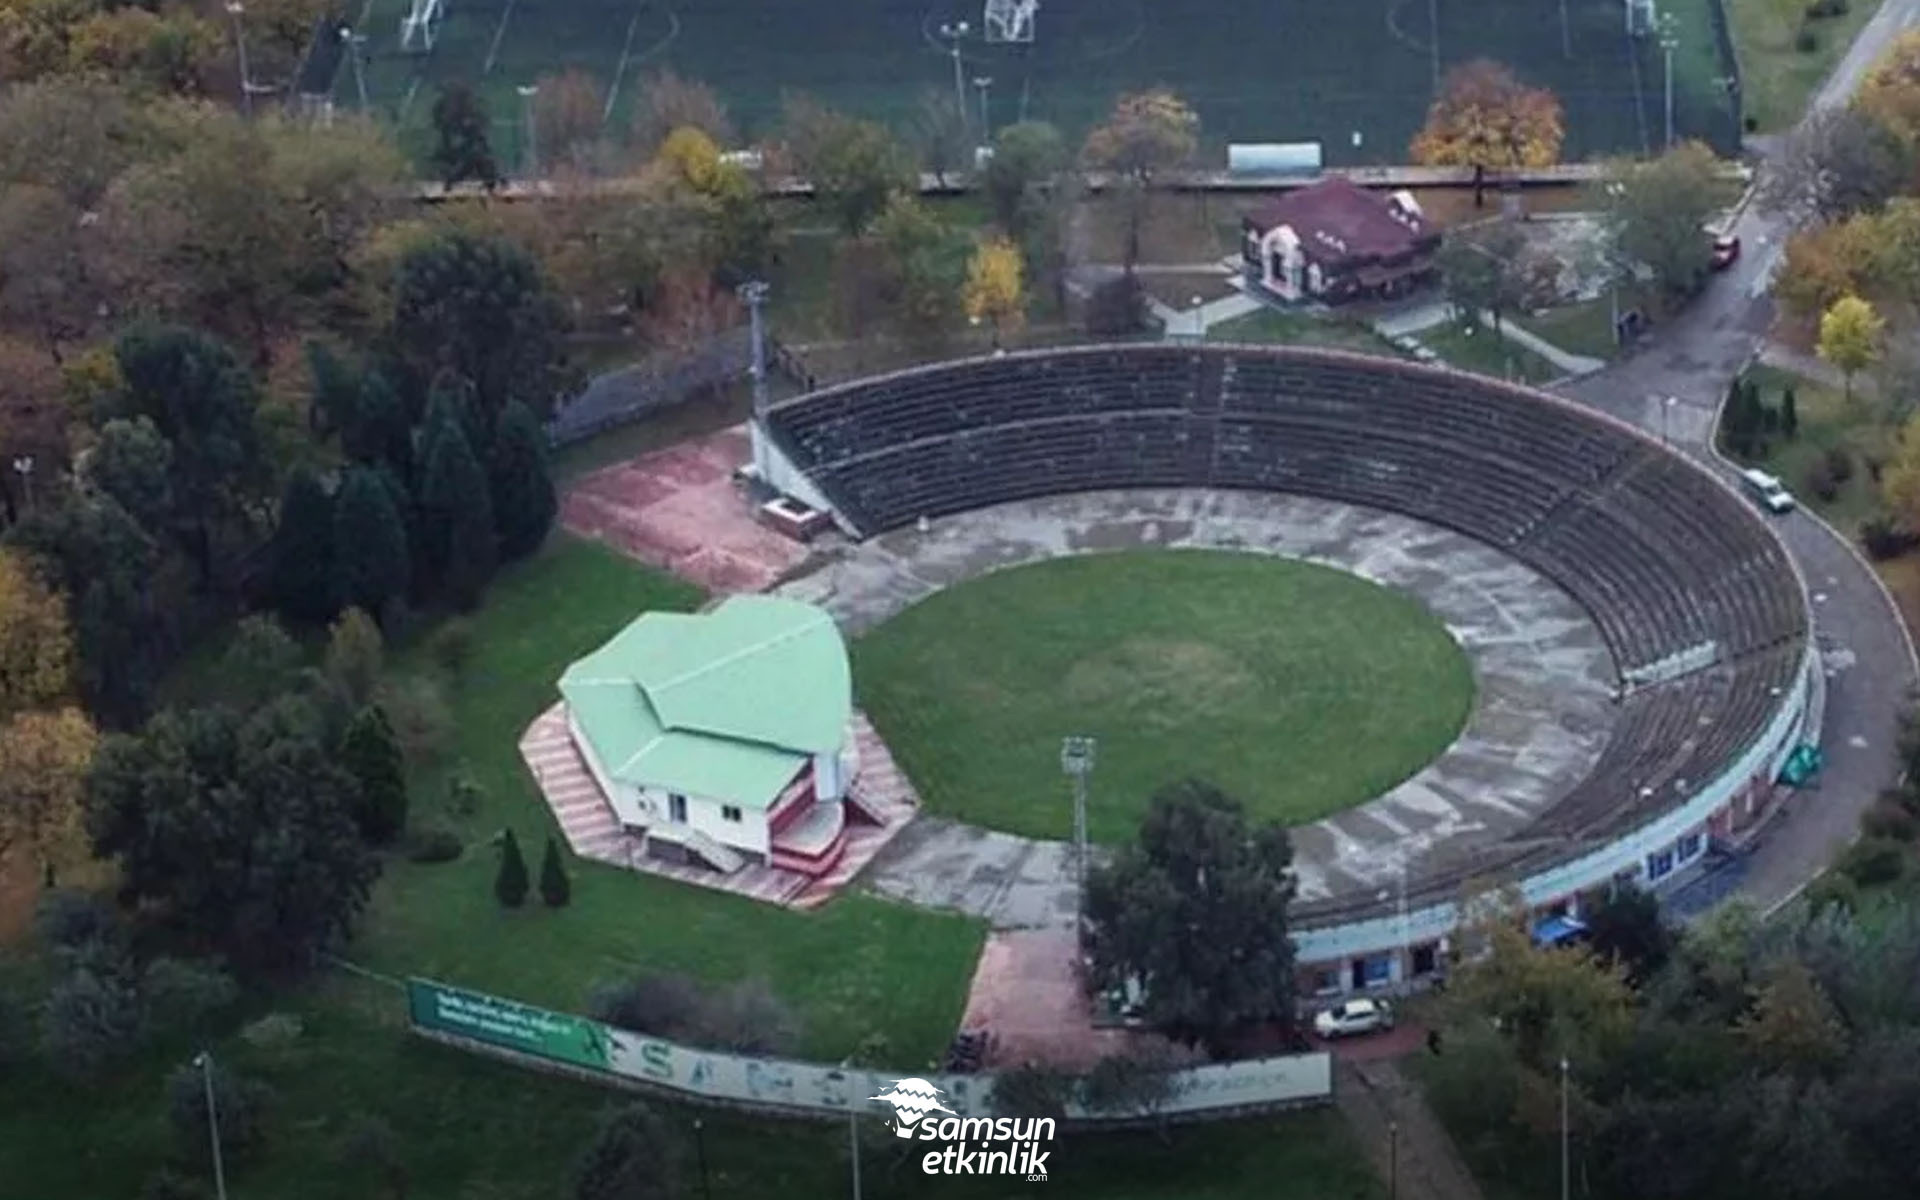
[
  {"x": 1354, "y": 76},
  {"x": 1300, "y": 689}
]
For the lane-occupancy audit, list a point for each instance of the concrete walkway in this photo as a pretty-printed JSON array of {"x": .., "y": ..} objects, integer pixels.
[
  {"x": 1399, "y": 1134},
  {"x": 1195, "y": 322}
]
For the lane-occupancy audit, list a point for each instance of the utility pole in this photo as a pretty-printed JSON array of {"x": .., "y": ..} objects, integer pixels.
[
  {"x": 204, "y": 1061},
  {"x": 354, "y": 42},
  {"x": 754, "y": 293},
  {"x": 983, "y": 82},
  {"x": 235, "y": 9},
  {"x": 527, "y": 92},
  {"x": 1669, "y": 42},
  {"x": 953, "y": 32},
  {"x": 1076, "y": 759},
  {"x": 1565, "y": 1176}
]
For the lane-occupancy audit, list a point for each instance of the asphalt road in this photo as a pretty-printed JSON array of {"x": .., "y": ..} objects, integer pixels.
[{"x": 1869, "y": 662}]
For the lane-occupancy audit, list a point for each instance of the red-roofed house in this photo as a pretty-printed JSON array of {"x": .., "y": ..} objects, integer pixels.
[{"x": 1335, "y": 240}]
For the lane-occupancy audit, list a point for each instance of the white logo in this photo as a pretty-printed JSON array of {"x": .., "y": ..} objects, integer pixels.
[
  {"x": 911, "y": 1100},
  {"x": 1019, "y": 1140}
]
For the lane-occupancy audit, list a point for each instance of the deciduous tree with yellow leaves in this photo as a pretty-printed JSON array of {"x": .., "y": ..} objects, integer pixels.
[
  {"x": 36, "y": 645},
  {"x": 1891, "y": 90},
  {"x": 1148, "y": 134},
  {"x": 995, "y": 290},
  {"x": 1852, "y": 336},
  {"x": 1485, "y": 118},
  {"x": 44, "y": 755}
]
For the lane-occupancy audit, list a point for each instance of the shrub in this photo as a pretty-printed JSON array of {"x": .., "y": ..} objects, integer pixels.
[
  {"x": 68, "y": 918},
  {"x": 355, "y": 653},
  {"x": 464, "y": 795},
  {"x": 1132, "y": 1085},
  {"x": 182, "y": 994},
  {"x": 451, "y": 645},
  {"x": 370, "y": 1145},
  {"x": 634, "y": 1155},
  {"x": 1839, "y": 463},
  {"x": 169, "y": 1184},
  {"x": 1033, "y": 1090},
  {"x": 1883, "y": 537},
  {"x": 1831, "y": 889},
  {"x": 93, "y": 1015},
  {"x": 1873, "y": 861},
  {"x": 242, "y": 1104},
  {"x": 555, "y": 888},
  {"x": 433, "y": 844},
  {"x": 417, "y": 710},
  {"x": 747, "y": 1019},
  {"x": 1888, "y": 818},
  {"x": 1117, "y": 307},
  {"x": 510, "y": 882},
  {"x": 275, "y": 1031},
  {"x": 1820, "y": 481},
  {"x": 662, "y": 1003},
  {"x": 1806, "y": 41}
]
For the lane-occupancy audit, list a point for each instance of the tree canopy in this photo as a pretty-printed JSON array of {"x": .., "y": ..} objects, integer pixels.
[
  {"x": 1657, "y": 210},
  {"x": 1195, "y": 913},
  {"x": 1485, "y": 118},
  {"x": 1852, "y": 336}
]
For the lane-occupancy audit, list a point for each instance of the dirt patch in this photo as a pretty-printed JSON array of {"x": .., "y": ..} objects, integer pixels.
[
  {"x": 1027, "y": 994},
  {"x": 1174, "y": 677}
]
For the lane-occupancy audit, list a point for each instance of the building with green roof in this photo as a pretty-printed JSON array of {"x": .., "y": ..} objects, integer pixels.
[{"x": 722, "y": 736}]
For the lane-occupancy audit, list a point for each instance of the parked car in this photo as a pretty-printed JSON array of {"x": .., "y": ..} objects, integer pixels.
[
  {"x": 1353, "y": 1017},
  {"x": 1768, "y": 492},
  {"x": 1726, "y": 249}
]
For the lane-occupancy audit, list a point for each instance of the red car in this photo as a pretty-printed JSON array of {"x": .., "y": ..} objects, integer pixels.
[{"x": 1726, "y": 248}]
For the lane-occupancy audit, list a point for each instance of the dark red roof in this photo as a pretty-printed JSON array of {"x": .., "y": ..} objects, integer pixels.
[{"x": 1339, "y": 221}]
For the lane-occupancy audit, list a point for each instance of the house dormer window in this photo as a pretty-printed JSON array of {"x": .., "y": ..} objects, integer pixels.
[{"x": 730, "y": 812}]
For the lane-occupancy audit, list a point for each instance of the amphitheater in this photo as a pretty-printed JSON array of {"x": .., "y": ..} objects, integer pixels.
[{"x": 1704, "y": 681}]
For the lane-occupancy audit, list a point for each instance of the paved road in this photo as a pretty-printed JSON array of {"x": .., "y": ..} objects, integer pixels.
[{"x": 1869, "y": 663}]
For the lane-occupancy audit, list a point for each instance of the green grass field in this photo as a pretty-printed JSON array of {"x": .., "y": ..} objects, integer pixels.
[
  {"x": 468, "y": 1128},
  {"x": 1300, "y": 689},
  {"x": 1487, "y": 353},
  {"x": 1356, "y": 78},
  {"x": 1271, "y": 325}
]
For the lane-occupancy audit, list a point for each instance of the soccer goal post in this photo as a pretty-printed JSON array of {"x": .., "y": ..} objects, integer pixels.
[{"x": 1010, "y": 20}]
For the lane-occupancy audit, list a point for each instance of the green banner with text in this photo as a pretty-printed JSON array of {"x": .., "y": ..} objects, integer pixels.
[{"x": 575, "y": 1041}]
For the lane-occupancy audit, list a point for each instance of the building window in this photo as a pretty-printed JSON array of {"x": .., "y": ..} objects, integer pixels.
[
  {"x": 1660, "y": 865},
  {"x": 1689, "y": 847},
  {"x": 1425, "y": 959},
  {"x": 676, "y": 808},
  {"x": 729, "y": 812},
  {"x": 1325, "y": 980}
]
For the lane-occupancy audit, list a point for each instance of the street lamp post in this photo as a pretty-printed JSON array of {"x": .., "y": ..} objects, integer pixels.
[
  {"x": 1076, "y": 759},
  {"x": 1565, "y": 1176},
  {"x": 1199, "y": 319},
  {"x": 23, "y": 467},
  {"x": 1666, "y": 420},
  {"x": 700, "y": 1152},
  {"x": 1669, "y": 42},
  {"x": 853, "y": 1122},
  {"x": 527, "y": 92},
  {"x": 953, "y": 32},
  {"x": 204, "y": 1061},
  {"x": 235, "y": 9},
  {"x": 983, "y": 82},
  {"x": 1393, "y": 1160},
  {"x": 355, "y": 44}
]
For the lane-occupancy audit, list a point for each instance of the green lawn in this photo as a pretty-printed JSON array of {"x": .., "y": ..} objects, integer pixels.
[
  {"x": 1585, "y": 327},
  {"x": 468, "y": 1128},
  {"x": 1777, "y": 78},
  {"x": 1301, "y": 689},
  {"x": 1827, "y": 420},
  {"x": 1303, "y": 329},
  {"x": 1486, "y": 352},
  {"x": 844, "y": 968}
]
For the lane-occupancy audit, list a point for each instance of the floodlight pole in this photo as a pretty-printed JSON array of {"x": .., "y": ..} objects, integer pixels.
[
  {"x": 1566, "y": 32},
  {"x": 1076, "y": 759},
  {"x": 1565, "y": 1174},
  {"x": 954, "y": 32},
  {"x": 527, "y": 92},
  {"x": 23, "y": 467},
  {"x": 353, "y": 43},
  {"x": 234, "y": 10},
  {"x": 1669, "y": 42},
  {"x": 983, "y": 82},
  {"x": 853, "y": 1123},
  {"x": 204, "y": 1061},
  {"x": 754, "y": 293},
  {"x": 1433, "y": 30}
]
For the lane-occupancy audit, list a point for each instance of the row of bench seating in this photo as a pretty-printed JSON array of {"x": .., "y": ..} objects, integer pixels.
[{"x": 1664, "y": 558}]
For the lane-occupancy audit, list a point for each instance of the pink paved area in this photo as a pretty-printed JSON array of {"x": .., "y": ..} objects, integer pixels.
[
  {"x": 591, "y": 830},
  {"x": 1027, "y": 994},
  {"x": 679, "y": 509}
]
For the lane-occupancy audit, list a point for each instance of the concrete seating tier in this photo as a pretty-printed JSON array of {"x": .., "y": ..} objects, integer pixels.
[{"x": 1663, "y": 556}]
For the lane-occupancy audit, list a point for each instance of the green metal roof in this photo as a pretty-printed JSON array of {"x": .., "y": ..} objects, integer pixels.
[{"x": 727, "y": 704}]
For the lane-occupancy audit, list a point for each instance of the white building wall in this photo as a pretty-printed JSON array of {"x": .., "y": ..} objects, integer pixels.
[
  {"x": 781, "y": 474},
  {"x": 1338, "y": 945}
]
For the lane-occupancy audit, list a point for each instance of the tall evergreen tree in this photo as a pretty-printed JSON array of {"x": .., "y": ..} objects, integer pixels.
[
  {"x": 510, "y": 882},
  {"x": 380, "y": 434},
  {"x": 523, "y": 499},
  {"x": 555, "y": 888},
  {"x": 1789, "y": 413},
  {"x": 461, "y": 149},
  {"x": 456, "y": 515},
  {"x": 370, "y": 542},
  {"x": 371, "y": 754},
  {"x": 302, "y": 577},
  {"x": 336, "y": 390}
]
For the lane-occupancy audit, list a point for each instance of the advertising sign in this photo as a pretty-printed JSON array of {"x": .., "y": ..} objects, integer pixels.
[{"x": 575, "y": 1041}]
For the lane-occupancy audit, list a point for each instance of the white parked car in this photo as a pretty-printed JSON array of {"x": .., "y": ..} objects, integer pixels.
[
  {"x": 1353, "y": 1016},
  {"x": 1767, "y": 491}
]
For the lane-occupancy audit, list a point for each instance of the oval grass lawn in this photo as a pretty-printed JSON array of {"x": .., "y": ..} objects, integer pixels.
[{"x": 1300, "y": 689}]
